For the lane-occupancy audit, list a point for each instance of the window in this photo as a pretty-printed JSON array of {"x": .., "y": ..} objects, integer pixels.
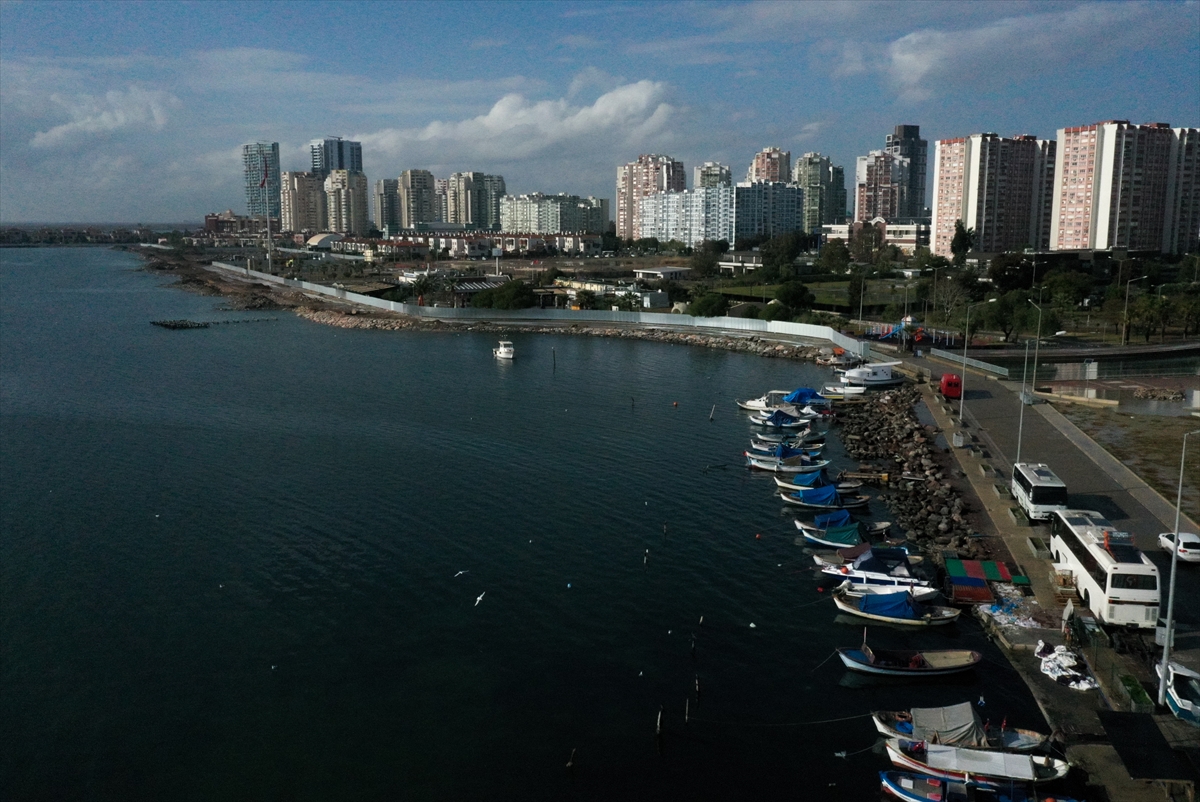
[{"x": 1133, "y": 582}]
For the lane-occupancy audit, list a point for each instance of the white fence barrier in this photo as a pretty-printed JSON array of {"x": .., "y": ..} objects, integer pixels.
[{"x": 809, "y": 331}]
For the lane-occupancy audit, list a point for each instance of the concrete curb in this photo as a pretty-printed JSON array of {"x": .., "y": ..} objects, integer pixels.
[{"x": 1129, "y": 481}]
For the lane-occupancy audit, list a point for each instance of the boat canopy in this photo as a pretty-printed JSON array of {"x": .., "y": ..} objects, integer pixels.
[
  {"x": 974, "y": 761},
  {"x": 956, "y": 725},
  {"x": 893, "y": 562},
  {"x": 847, "y": 534},
  {"x": 831, "y": 518},
  {"x": 779, "y": 417},
  {"x": 782, "y": 451},
  {"x": 820, "y": 495},
  {"x": 814, "y": 479},
  {"x": 802, "y": 395},
  {"x": 891, "y": 605}
]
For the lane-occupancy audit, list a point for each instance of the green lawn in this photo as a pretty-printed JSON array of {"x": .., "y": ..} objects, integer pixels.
[{"x": 833, "y": 293}]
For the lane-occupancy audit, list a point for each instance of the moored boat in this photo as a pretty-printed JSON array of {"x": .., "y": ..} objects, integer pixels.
[
  {"x": 953, "y": 725},
  {"x": 842, "y": 392},
  {"x": 985, "y": 767},
  {"x": 912, "y": 787},
  {"x": 797, "y": 464},
  {"x": 772, "y": 449},
  {"x": 895, "y": 608},
  {"x": 880, "y": 567},
  {"x": 824, "y": 498},
  {"x": 908, "y": 662},
  {"x": 876, "y": 374},
  {"x": 779, "y": 420},
  {"x": 806, "y": 481},
  {"x": 1183, "y": 692},
  {"x": 504, "y": 350},
  {"x": 767, "y": 403},
  {"x": 854, "y": 591}
]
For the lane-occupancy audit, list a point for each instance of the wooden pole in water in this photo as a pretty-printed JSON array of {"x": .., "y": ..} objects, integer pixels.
[
  {"x": 686, "y": 708},
  {"x": 554, "y": 359},
  {"x": 646, "y": 558},
  {"x": 658, "y": 726},
  {"x": 713, "y": 412}
]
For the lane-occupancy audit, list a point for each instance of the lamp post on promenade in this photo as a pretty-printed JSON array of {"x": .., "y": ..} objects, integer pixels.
[
  {"x": 1162, "y": 680},
  {"x": 962, "y": 401},
  {"x": 1125, "y": 318},
  {"x": 1021, "y": 419},
  {"x": 1037, "y": 344}
]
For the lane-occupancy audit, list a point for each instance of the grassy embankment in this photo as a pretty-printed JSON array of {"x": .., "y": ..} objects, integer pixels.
[{"x": 1149, "y": 445}]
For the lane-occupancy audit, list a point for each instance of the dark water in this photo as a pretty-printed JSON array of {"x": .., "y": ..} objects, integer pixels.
[{"x": 228, "y": 557}]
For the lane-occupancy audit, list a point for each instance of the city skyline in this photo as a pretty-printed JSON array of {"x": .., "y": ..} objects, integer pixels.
[{"x": 108, "y": 98}]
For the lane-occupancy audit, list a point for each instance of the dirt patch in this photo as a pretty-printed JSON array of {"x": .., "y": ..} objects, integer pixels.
[{"x": 1149, "y": 445}]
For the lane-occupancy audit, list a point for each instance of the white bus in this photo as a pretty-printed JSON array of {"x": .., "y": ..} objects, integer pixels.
[
  {"x": 1115, "y": 580},
  {"x": 1038, "y": 490}
]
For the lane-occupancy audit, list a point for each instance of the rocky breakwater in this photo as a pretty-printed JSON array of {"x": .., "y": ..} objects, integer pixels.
[
  {"x": 884, "y": 433},
  {"x": 353, "y": 320}
]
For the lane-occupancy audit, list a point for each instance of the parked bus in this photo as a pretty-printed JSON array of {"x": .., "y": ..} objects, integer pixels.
[
  {"x": 1038, "y": 490},
  {"x": 1115, "y": 580}
]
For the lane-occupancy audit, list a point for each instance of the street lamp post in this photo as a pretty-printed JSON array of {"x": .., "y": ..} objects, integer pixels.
[
  {"x": 1125, "y": 319},
  {"x": 1021, "y": 419},
  {"x": 962, "y": 385},
  {"x": 1162, "y": 680},
  {"x": 1037, "y": 344},
  {"x": 933, "y": 296}
]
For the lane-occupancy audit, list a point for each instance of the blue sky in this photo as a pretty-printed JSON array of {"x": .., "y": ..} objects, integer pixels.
[{"x": 137, "y": 111}]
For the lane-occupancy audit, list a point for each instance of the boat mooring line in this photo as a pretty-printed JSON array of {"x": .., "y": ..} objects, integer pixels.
[
  {"x": 786, "y": 724},
  {"x": 832, "y": 655}
]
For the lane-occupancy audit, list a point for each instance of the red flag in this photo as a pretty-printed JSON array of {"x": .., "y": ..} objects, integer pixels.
[{"x": 263, "y": 183}]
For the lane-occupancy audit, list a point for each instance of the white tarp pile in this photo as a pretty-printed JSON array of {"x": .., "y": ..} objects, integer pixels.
[{"x": 1061, "y": 665}]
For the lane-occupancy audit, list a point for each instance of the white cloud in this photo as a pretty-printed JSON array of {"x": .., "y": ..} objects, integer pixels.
[
  {"x": 137, "y": 108},
  {"x": 809, "y": 131}
]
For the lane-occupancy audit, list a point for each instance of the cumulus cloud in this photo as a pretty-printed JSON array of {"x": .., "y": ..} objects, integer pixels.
[
  {"x": 516, "y": 127},
  {"x": 136, "y": 108},
  {"x": 809, "y": 131}
]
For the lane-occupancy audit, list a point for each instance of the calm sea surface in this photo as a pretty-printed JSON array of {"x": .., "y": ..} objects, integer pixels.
[{"x": 228, "y": 565}]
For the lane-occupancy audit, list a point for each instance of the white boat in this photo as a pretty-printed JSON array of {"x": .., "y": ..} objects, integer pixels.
[
  {"x": 799, "y": 464},
  {"x": 797, "y": 483},
  {"x": 840, "y": 392},
  {"x": 767, "y": 403},
  {"x": 801, "y": 438},
  {"x": 898, "y": 607},
  {"x": 876, "y": 374},
  {"x": 779, "y": 420},
  {"x": 878, "y": 568},
  {"x": 954, "y": 725},
  {"x": 985, "y": 767},
  {"x": 854, "y": 591},
  {"x": 504, "y": 350},
  {"x": 1183, "y": 692}
]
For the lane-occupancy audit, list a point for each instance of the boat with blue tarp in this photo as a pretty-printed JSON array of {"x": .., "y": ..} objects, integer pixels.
[
  {"x": 798, "y": 462},
  {"x": 825, "y": 498},
  {"x": 779, "y": 420},
  {"x": 877, "y": 566},
  {"x": 895, "y": 608}
]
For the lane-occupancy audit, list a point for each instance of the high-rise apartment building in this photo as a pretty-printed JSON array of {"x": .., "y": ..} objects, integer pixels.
[
  {"x": 994, "y": 185},
  {"x": 441, "y": 199},
  {"x": 387, "y": 204},
  {"x": 824, "y": 185},
  {"x": 882, "y": 187},
  {"x": 491, "y": 189},
  {"x": 473, "y": 200},
  {"x": 689, "y": 216},
  {"x": 346, "y": 202},
  {"x": 1119, "y": 185},
  {"x": 651, "y": 173},
  {"x": 260, "y": 162},
  {"x": 335, "y": 153},
  {"x": 767, "y": 209},
  {"x": 770, "y": 164},
  {"x": 552, "y": 214},
  {"x": 302, "y": 203},
  {"x": 418, "y": 199},
  {"x": 1181, "y": 234},
  {"x": 711, "y": 174},
  {"x": 906, "y": 143}
]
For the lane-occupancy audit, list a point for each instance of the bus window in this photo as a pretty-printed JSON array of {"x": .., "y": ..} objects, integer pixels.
[
  {"x": 1049, "y": 496},
  {"x": 1133, "y": 582}
]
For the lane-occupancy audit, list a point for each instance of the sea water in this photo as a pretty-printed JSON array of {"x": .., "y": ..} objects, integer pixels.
[{"x": 279, "y": 560}]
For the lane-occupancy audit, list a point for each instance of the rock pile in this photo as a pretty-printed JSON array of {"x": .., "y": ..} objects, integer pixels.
[
  {"x": 923, "y": 502},
  {"x": 1158, "y": 394}
]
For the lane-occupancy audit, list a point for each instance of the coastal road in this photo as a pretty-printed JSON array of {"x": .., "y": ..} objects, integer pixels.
[{"x": 993, "y": 413}]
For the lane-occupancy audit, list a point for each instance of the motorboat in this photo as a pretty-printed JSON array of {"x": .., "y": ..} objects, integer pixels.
[
  {"x": 895, "y": 608},
  {"x": 807, "y": 481},
  {"x": 880, "y": 567},
  {"x": 1183, "y": 692},
  {"x": 910, "y": 787},
  {"x": 504, "y": 350},
  {"x": 853, "y": 591},
  {"x": 824, "y": 498},
  {"x": 842, "y": 392},
  {"x": 769, "y": 449},
  {"x": 766, "y": 403},
  {"x": 875, "y": 374},
  {"x": 980, "y": 766},
  {"x": 908, "y": 662},
  {"x": 779, "y": 420},
  {"x": 953, "y": 725},
  {"x": 802, "y": 438},
  {"x": 797, "y": 464}
]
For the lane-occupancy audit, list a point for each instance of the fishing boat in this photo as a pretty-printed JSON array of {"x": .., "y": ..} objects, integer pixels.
[
  {"x": 1183, "y": 692},
  {"x": 879, "y": 567},
  {"x": 908, "y": 662},
  {"x": 910, "y": 787},
  {"x": 798, "y": 439},
  {"x": 834, "y": 530},
  {"x": 779, "y": 420},
  {"x": 847, "y": 556},
  {"x": 876, "y": 374},
  {"x": 504, "y": 350},
  {"x": 796, "y": 464},
  {"x": 841, "y": 392},
  {"x": 807, "y": 396},
  {"x": 980, "y": 766},
  {"x": 765, "y": 403},
  {"x": 854, "y": 591},
  {"x": 804, "y": 481},
  {"x": 954, "y": 725},
  {"x": 825, "y": 498},
  {"x": 895, "y": 608},
  {"x": 769, "y": 449}
]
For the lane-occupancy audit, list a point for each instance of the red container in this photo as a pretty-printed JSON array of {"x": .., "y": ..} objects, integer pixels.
[{"x": 951, "y": 385}]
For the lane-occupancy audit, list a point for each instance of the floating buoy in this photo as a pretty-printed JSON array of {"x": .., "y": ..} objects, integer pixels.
[
  {"x": 752, "y": 626},
  {"x": 675, "y": 404},
  {"x": 820, "y": 590},
  {"x": 568, "y": 586},
  {"x": 757, "y": 536}
]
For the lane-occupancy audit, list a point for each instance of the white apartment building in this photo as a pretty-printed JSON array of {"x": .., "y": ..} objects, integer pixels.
[
  {"x": 767, "y": 209},
  {"x": 999, "y": 187},
  {"x": 302, "y": 203},
  {"x": 711, "y": 174},
  {"x": 347, "y": 203},
  {"x": 690, "y": 216},
  {"x": 650, "y": 174},
  {"x": 546, "y": 214}
]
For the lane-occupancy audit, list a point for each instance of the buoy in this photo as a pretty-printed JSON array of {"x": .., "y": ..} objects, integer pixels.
[
  {"x": 820, "y": 590},
  {"x": 845, "y": 570},
  {"x": 568, "y": 586},
  {"x": 757, "y": 536},
  {"x": 752, "y": 626},
  {"x": 675, "y": 404}
]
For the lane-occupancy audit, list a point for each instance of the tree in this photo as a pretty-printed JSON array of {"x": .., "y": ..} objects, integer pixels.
[
  {"x": 586, "y": 299},
  {"x": 964, "y": 241},
  {"x": 1006, "y": 314},
  {"x": 510, "y": 295},
  {"x": 1067, "y": 288},
  {"x": 795, "y": 296},
  {"x": 856, "y": 289},
  {"x": 704, "y": 262},
  {"x": 865, "y": 243},
  {"x": 424, "y": 285},
  {"x": 710, "y": 304},
  {"x": 647, "y": 244},
  {"x": 834, "y": 257},
  {"x": 779, "y": 253}
]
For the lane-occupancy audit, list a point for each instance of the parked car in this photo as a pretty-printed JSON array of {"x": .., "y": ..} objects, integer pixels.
[{"x": 1189, "y": 545}]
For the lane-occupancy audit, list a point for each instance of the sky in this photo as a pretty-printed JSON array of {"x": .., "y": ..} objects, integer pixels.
[{"x": 137, "y": 111}]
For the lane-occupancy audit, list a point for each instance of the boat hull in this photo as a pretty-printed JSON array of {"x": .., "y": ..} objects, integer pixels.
[
  {"x": 1047, "y": 769},
  {"x": 855, "y": 660},
  {"x": 847, "y": 503},
  {"x": 782, "y": 466},
  {"x": 1009, "y": 740},
  {"x": 937, "y": 617}
]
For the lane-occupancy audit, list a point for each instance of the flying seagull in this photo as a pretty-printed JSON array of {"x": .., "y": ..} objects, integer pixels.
[
  {"x": 481, "y": 595},
  {"x": 460, "y": 573}
]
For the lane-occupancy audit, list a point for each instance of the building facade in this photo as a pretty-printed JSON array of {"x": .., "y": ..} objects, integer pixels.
[
  {"x": 650, "y": 174},
  {"x": 711, "y": 174},
  {"x": 334, "y": 153},
  {"x": 387, "y": 204},
  {"x": 824, "y": 187},
  {"x": 770, "y": 164},
  {"x": 260, "y": 163},
  {"x": 536, "y": 213},
  {"x": 882, "y": 186},
  {"x": 767, "y": 209},
  {"x": 688, "y": 216},
  {"x": 994, "y": 185},
  {"x": 1120, "y": 185},
  {"x": 417, "y": 199},
  {"x": 346, "y": 202},
  {"x": 302, "y": 203},
  {"x": 473, "y": 200},
  {"x": 906, "y": 143}
]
